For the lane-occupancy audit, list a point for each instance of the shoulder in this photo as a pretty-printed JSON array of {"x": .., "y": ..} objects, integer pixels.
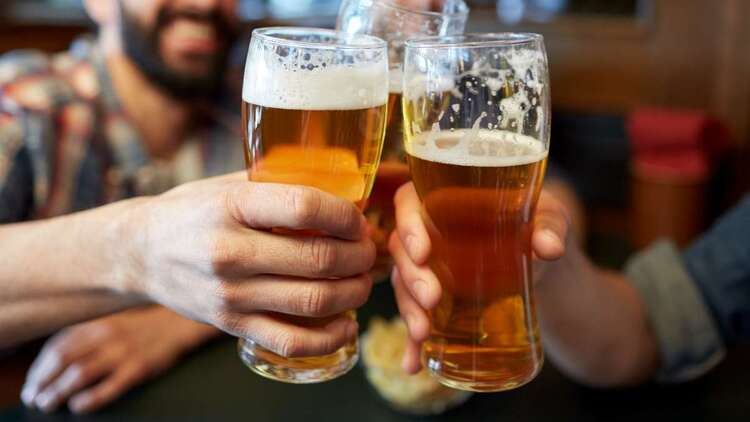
[
  {"x": 45, "y": 99},
  {"x": 33, "y": 81}
]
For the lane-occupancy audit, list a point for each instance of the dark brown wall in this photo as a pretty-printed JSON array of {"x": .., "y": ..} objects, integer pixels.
[{"x": 47, "y": 38}]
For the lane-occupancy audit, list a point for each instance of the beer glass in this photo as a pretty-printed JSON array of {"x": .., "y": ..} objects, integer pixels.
[
  {"x": 395, "y": 24},
  {"x": 476, "y": 119},
  {"x": 314, "y": 114}
]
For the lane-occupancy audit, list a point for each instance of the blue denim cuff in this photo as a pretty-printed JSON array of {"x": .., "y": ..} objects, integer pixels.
[{"x": 686, "y": 332}]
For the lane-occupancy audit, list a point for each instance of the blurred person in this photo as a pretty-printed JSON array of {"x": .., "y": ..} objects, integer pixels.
[
  {"x": 668, "y": 316},
  {"x": 91, "y": 142}
]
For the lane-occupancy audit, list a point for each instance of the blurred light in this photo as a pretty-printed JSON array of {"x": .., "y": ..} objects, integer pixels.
[
  {"x": 545, "y": 10},
  {"x": 252, "y": 9},
  {"x": 302, "y": 8},
  {"x": 510, "y": 11}
]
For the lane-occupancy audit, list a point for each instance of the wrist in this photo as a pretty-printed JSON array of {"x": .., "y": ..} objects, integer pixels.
[{"x": 126, "y": 238}]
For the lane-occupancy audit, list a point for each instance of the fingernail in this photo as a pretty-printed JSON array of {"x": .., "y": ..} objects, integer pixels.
[
  {"x": 411, "y": 245},
  {"x": 551, "y": 235},
  {"x": 422, "y": 292},
  {"x": 27, "y": 395}
]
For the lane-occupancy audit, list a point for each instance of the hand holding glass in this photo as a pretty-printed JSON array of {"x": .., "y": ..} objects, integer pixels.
[
  {"x": 476, "y": 120},
  {"x": 314, "y": 113}
]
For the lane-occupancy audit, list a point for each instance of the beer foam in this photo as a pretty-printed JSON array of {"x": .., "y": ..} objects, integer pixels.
[
  {"x": 279, "y": 83},
  {"x": 395, "y": 76},
  {"x": 477, "y": 148},
  {"x": 523, "y": 70}
]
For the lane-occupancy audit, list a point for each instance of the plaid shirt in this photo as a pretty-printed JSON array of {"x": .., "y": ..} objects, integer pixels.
[{"x": 66, "y": 144}]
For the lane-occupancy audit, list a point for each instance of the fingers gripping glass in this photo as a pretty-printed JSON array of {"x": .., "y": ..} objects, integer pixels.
[
  {"x": 476, "y": 119},
  {"x": 314, "y": 111}
]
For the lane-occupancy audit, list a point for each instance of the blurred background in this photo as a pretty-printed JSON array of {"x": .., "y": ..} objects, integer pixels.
[{"x": 651, "y": 98}]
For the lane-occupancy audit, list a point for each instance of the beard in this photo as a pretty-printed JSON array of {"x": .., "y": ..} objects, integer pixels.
[{"x": 141, "y": 45}]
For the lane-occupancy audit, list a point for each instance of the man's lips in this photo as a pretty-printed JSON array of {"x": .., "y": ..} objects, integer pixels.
[{"x": 192, "y": 37}]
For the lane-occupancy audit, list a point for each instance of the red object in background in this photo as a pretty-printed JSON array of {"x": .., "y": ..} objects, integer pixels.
[
  {"x": 682, "y": 165},
  {"x": 673, "y": 153},
  {"x": 664, "y": 131}
]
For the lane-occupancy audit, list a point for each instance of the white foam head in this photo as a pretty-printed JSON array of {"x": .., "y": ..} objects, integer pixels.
[
  {"x": 477, "y": 148},
  {"x": 313, "y": 80}
]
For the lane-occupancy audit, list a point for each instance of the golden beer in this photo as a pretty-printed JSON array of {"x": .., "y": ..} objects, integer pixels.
[
  {"x": 336, "y": 151},
  {"x": 314, "y": 114},
  {"x": 479, "y": 189}
]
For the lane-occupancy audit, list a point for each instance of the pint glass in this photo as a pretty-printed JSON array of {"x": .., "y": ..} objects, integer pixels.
[
  {"x": 314, "y": 114},
  {"x": 394, "y": 23},
  {"x": 476, "y": 118}
]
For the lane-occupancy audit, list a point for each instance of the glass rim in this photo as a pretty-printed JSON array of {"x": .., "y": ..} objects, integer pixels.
[
  {"x": 388, "y": 3},
  {"x": 271, "y": 34},
  {"x": 491, "y": 39}
]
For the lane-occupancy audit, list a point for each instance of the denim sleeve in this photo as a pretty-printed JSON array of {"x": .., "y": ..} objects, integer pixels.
[
  {"x": 719, "y": 262},
  {"x": 686, "y": 331}
]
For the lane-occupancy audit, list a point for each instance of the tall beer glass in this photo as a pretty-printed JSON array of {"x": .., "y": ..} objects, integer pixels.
[
  {"x": 395, "y": 23},
  {"x": 314, "y": 113},
  {"x": 476, "y": 118}
]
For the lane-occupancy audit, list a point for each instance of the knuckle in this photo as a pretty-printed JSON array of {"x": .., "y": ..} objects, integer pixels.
[
  {"x": 305, "y": 204},
  {"x": 323, "y": 256},
  {"x": 225, "y": 297},
  {"x": 315, "y": 301},
  {"x": 229, "y": 322},
  {"x": 222, "y": 255}
]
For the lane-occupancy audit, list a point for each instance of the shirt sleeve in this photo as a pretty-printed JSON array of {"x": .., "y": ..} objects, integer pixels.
[
  {"x": 719, "y": 262},
  {"x": 686, "y": 331},
  {"x": 16, "y": 173}
]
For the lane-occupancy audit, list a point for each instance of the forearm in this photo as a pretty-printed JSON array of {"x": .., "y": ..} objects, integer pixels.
[
  {"x": 27, "y": 319},
  {"x": 63, "y": 270},
  {"x": 594, "y": 323}
]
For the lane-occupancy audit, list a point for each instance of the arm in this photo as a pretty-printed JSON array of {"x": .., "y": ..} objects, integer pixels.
[
  {"x": 593, "y": 321},
  {"x": 204, "y": 249},
  {"x": 63, "y": 270}
]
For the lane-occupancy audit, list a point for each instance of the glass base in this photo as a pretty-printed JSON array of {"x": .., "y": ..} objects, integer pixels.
[
  {"x": 306, "y": 370},
  {"x": 480, "y": 381}
]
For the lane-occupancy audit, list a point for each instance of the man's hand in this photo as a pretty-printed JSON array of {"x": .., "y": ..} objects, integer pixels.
[
  {"x": 231, "y": 253},
  {"x": 91, "y": 364},
  {"x": 415, "y": 285}
]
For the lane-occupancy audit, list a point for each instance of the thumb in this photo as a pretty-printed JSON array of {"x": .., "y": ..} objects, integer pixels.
[{"x": 551, "y": 228}]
